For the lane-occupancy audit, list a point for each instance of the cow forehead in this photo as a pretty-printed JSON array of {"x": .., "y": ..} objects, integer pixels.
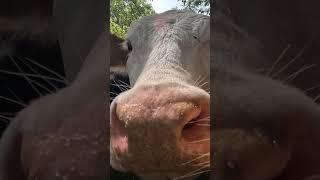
[{"x": 182, "y": 19}]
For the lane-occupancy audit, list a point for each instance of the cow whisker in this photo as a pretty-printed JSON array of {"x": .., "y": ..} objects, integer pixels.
[
  {"x": 195, "y": 172},
  {"x": 197, "y": 158},
  {"x": 312, "y": 88},
  {"x": 199, "y": 80},
  {"x": 124, "y": 86},
  {"x": 120, "y": 87},
  {"x": 26, "y": 77},
  {"x": 198, "y": 141},
  {"x": 15, "y": 95},
  {"x": 282, "y": 54},
  {"x": 316, "y": 98},
  {"x": 200, "y": 120},
  {"x": 31, "y": 75},
  {"x": 298, "y": 72},
  {"x": 202, "y": 164},
  {"x": 64, "y": 80},
  {"x": 42, "y": 86},
  {"x": 5, "y": 119},
  {"x": 8, "y": 114},
  {"x": 203, "y": 84},
  {"x": 203, "y": 125},
  {"x": 36, "y": 72},
  {"x": 290, "y": 62},
  {"x": 13, "y": 101},
  {"x": 123, "y": 83},
  {"x": 196, "y": 81},
  {"x": 113, "y": 93}
]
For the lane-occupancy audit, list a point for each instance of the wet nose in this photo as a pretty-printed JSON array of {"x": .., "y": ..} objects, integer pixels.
[{"x": 160, "y": 117}]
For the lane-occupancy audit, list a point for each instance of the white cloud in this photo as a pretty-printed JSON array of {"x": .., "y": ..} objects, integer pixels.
[{"x": 163, "y": 5}]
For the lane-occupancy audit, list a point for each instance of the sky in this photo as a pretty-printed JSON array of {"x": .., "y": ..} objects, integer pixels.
[{"x": 164, "y": 5}]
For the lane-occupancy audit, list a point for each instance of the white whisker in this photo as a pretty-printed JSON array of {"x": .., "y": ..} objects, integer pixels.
[
  {"x": 121, "y": 87},
  {"x": 42, "y": 86},
  {"x": 278, "y": 60},
  {"x": 13, "y": 101},
  {"x": 31, "y": 75},
  {"x": 194, "y": 173},
  {"x": 295, "y": 74},
  {"x": 26, "y": 77},
  {"x": 289, "y": 63},
  {"x": 36, "y": 72},
  {"x": 197, "y": 158},
  {"x": 124, "y": 86},
  {"x": 312, "y": 88},
  {"x": 5, "y": 118},
  {"x": 64, "y": 80},
  {"x": 316, "y": 98},
  {"x": 123, "y": 83},
  {"x": 114, "y": 93},
  {"x": 200, "y": 120},
  {"x": 15, "y": 95},
  {"x": 198, "y": 141},
  {"x": 207, "y": 125}
]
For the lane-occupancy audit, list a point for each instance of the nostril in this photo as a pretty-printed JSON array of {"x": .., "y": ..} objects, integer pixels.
[
  {"x": 195, "y": 133},
  {"x": 119, "y": 138},
  {"x": 190, "y": 124},
  {"x": 193, "y": 128}
]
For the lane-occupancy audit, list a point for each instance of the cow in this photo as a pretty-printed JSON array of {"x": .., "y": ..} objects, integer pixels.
[
  {"x": 47, "y": 32},
  {"x": 63, "y": 135},
  {"x": 289, "y": 34},
  {"x": 265, "y": 125},
  {"x": 160, "y": 127},
  {"x": 50, "y": 33},
  {"x": 65, "y": 22}
]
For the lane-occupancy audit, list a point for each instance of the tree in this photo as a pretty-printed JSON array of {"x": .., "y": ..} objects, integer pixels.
[
  {"x": 199, "y": 6},
  {"x": 124, "y": 12}
]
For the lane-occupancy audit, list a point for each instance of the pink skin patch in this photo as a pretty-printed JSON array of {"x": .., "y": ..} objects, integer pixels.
[
  {"x": 159, "y": 24},
  {"x": 161, "y": 21},
  {"x": 120, "y": 144},
  {"x": 119, "y": 138}
]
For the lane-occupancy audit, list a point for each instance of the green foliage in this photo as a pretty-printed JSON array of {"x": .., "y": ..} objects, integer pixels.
[
  {"x": 124, "y": 12},
  {"x": 199, "y": 6}
]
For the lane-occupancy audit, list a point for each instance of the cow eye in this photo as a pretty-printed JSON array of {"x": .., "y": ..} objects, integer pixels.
[{"x": 129, "y": 45}]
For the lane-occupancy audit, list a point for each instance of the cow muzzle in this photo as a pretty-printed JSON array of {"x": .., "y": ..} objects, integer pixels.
[{"x": 160, "y": 128}]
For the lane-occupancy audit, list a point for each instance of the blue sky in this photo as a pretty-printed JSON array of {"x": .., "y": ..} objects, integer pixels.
[{"x": 164, "y": 5}]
